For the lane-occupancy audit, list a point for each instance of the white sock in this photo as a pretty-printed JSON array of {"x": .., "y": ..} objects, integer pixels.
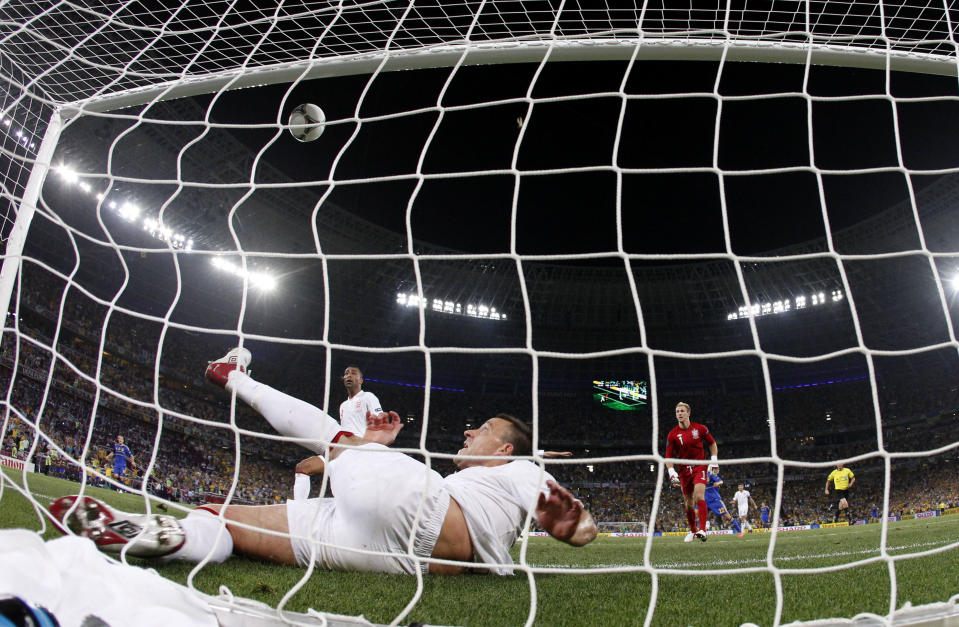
[
  {"x": 203, "y": 537},
  {"x": 288, "y": 415},
  {"x": 301, "y": 486}
]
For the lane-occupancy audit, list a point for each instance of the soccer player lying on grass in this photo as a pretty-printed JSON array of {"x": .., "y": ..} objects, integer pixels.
[{"x": 387, "y": 508}]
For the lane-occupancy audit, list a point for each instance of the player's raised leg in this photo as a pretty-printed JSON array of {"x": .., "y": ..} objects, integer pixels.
[{"x": 288, "y": 415}]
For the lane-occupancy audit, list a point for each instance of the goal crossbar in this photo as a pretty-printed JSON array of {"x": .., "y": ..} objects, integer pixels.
[{"x": 493, "y": 53}]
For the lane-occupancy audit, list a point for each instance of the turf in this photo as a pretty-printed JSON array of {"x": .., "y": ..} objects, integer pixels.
[{"x": 569, "y": 593}]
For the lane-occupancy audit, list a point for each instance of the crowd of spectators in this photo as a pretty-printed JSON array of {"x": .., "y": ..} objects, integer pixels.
[{"x": 69, "y": 397}]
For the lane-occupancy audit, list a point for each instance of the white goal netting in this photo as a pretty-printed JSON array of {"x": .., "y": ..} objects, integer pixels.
[{"x": 580, "y": 216}]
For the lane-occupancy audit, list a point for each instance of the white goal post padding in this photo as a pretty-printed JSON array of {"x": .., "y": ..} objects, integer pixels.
[{"x": 509, "y": 199}]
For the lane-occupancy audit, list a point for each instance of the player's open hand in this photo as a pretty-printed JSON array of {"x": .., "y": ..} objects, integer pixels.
[
  {"x": 559, "y": 513},
  {"x": 383, "y": 427}
]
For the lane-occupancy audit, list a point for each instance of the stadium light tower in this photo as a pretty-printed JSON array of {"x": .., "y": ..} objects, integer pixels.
[
  {"x": 260, "y": 280},
  {"x": 128, "y": 211}
]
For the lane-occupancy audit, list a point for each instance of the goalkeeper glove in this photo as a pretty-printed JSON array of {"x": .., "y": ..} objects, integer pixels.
[
  {"x": 713, "y": 466},
  {"x": 673, "y": 477}
]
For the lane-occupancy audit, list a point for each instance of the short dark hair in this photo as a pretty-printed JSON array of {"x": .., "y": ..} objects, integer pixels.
[
  {"x": 360, "y": 370},
  {"x": 519, "y": 434}
]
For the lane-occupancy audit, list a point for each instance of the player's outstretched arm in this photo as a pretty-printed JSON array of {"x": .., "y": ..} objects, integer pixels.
[
  {"x": 550, "y": 454},
  {"x": 563, "y": 517},
  {"x": 383, "y": 427}
]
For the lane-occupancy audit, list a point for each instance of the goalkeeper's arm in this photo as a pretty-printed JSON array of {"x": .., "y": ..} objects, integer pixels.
[
  {"x": 713, "y": 467},
  {"x": 673, "y": 475}
]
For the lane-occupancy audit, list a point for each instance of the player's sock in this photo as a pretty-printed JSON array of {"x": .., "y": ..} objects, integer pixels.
[
  {"x": 288, "y": 415},
  {"x": 201, "y": 528},
  {"x": 691, "y": 519},
  {"x": 301, "y": 486},
  {"x": 703, "y": 513},
  {"x": 736, "y": 526}
]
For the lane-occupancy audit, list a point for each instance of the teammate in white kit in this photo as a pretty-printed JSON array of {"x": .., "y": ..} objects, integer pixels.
[
  {"x": 353, "y": 413},
  {"x": 743, "y": 499},
  {"x": 390, "y": 513}
]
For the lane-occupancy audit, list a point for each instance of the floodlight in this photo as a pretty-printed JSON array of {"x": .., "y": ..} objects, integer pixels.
[
  {"x": 129, "y": 211},
  {"x": 262, "y": 281},
  {"x": 68, "y": 174}
]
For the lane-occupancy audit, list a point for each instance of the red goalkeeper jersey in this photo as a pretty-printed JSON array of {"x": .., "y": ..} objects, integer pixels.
[{"x": 688, "y": 444}]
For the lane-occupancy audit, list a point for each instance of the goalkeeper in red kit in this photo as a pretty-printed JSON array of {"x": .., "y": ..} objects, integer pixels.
[{"x": 687, "y": 440}]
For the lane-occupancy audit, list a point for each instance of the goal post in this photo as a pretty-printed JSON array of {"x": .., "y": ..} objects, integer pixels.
[{"x": 750, "y": 208}]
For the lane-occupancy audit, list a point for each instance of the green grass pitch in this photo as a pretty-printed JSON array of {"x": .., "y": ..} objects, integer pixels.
[{"x": 745, "y": 592}]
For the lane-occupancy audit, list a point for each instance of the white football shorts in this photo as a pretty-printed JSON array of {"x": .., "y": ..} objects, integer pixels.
[{"x": 367, "y": 525}]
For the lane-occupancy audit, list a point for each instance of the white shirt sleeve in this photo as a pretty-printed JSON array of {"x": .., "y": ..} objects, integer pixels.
[{"x": 373, "y": 403}]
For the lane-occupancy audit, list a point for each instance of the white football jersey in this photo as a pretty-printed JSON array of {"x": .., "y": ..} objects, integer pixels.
[
  {"x": 742, "y": 500},
  {"x": 353, "y": 412}
]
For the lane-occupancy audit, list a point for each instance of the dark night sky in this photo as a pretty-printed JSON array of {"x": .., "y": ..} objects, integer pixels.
[
  {"x": 671, "y": 203},
  {"x": 675, "y": 212}
]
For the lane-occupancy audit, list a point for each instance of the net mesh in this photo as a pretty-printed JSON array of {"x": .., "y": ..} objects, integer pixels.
[{"x": 509, "y": 201}]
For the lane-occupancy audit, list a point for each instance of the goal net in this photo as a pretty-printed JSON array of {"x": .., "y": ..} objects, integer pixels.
[{"x": 580, "y": 216}]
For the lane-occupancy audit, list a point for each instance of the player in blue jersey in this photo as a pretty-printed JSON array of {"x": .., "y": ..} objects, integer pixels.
[
  {"x": 120, "y": 454},
  {"x": 715, "y": 502},
  {"x": 764, "y": 515}
]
